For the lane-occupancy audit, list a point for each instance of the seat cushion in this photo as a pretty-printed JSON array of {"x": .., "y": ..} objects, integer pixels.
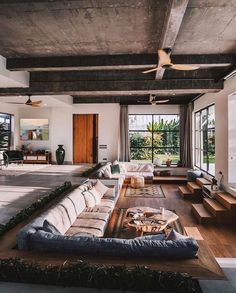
[
  {"x": 95, "y": 226},
  {"x": 99, "y": 209},
  {"x": 94, "y": 215},
  {"x": 111, "y": 193}
]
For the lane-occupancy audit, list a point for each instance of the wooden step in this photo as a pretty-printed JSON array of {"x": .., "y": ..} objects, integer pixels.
[
  {"x": 222, "y": 214},
  {"x": 194, "y": 188},
  {"x": 193, "y": 232},
  {"x": 171, "y": 179},
  {"x": 185, "y": 192},
  {"x": 227, "y": 200},
  {"x": 202, "y": 215},
  {"x": 202, "y": 181}
]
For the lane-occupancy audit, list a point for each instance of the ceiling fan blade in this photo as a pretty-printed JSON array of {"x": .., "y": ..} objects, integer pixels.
[
  {"x": 162, "y": 101},
  {"x": 16, "y": 103},
  {"x": 164, "y": 58},
  {"x": 36, "y": 102},
  {"x": 35, "y": 106},
  {"x": 151, "y": 70},
  {"x": 183, "y": 67}
]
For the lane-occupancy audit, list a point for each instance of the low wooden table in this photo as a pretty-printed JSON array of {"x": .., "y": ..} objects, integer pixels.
[{"x": 149, "y": 220}]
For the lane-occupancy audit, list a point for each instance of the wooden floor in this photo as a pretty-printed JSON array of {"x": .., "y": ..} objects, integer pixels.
[{"x": 221, "y": 239}]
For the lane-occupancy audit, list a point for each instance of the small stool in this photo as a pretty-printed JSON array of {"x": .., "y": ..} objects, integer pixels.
[{"x": 137, "y": 182}]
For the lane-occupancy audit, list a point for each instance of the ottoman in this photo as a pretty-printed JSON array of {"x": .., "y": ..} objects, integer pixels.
[{"x": 137, "y": 181}]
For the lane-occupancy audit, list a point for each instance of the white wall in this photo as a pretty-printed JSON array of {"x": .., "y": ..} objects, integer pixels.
[
  {"x": 220, "y": 100},
  {"x": 61, "y": 125},
  {"x": 157, "y": 109},
  {"x": 12, "y": 109},
  {"x": 232, "y": 139}
]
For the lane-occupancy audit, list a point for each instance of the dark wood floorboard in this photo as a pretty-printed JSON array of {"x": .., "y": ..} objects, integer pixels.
[{"x": 220, "y": 238}]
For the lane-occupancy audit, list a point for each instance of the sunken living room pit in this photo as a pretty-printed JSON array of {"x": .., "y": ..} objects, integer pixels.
[{"x": 77, "y": 223}]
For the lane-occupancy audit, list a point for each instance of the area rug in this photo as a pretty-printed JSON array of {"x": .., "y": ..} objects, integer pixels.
[
  {"x": 121, "y": 230},
  {"x": 152, "y": 190}
]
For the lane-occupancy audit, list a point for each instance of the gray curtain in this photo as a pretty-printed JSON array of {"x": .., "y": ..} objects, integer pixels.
[
  {"x": 186, "y": 135},
  {"x": 124, "y": 153}
]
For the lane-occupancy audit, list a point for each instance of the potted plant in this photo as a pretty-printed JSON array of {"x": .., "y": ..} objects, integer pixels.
[
  {"x": 168, "y": 161},
  {"x": 3, "y": 136}
]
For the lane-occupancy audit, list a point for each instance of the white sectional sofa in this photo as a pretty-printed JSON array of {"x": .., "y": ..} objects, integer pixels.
[
  {"x": 127, "y": 170},
  {"x": 74, "y": 225}
]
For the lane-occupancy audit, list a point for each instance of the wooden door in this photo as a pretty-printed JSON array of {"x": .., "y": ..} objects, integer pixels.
[{"x": 85, "y": 138}]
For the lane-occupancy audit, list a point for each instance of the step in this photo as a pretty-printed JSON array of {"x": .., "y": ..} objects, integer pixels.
[
  {"x": 194, "y": 188},
  {"x": 193, "y": 232},
  {"x": 227, "y": 200},
  {"x": 172, "y": 179},
  {"x": 185, "y": 192},
  {"x": 214, "y": 207},
  {"x": 202, "y": 215},
  {"x": 202, "y": 181}
]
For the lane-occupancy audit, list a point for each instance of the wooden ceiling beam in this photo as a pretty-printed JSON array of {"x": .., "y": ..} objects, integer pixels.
[
  {"x": 114, "y": 62},
  {"x": 88, "y": 88},
  {"x": 174, "y": 17}
]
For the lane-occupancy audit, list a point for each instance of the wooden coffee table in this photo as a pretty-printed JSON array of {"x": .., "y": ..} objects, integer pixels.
[{"x": 149, "y": 220}]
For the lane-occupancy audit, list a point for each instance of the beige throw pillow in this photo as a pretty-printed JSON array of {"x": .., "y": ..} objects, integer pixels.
[
  {"x": 92, "y": 197},
  {"x": 101, "y": 188}
]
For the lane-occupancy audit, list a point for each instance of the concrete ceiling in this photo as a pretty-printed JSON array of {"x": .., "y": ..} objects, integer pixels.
[
  {"x": 208, "y": 27},
  {"x": 62, "y": 28},
  {"x": 97, "y": 49}
]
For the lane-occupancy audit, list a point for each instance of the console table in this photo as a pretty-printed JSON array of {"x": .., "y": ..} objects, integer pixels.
[{"x": 37, "y": 158}]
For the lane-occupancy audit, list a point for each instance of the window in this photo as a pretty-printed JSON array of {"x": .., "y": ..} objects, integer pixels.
[
  {"x": 7, "y": 120},
  {"x": 204, "y": 149},
  {"x": 154, "y": 136}
]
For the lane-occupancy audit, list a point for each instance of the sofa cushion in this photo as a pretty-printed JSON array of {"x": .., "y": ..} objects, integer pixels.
[
  {"x": 114, "y": 247},
  {"x": 192, "y": 175},
  {"x": 146, "y": 175},
  {"x": 100, "y": 187},
  {"x": 95, "y": 215},
  {"x": 106, "y": 202},
  {"x": 85, "y": 186},
  {"x": 107, "y": 172},
  {"x": 78, "y": 200},
  {"x": 98, "y": 209},
  {"x": 49, "y": 227},
  {"x": 111, "y": 193},
  {"x": 89, "y": 225},
  {"x": 92, "y": 197},
  {"x": 135, "y": 167},
  {"x": 58, "y": 216}
]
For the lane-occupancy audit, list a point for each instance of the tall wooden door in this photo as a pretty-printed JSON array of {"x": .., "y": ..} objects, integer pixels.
[{"x": 85, "y": 138}]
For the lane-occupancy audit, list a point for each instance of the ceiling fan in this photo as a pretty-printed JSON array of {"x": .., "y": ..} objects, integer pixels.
[
  {"x": 164, "y": 62},
  {"x": 29, "y": 102},
  {"x": 153, "y": 100}
]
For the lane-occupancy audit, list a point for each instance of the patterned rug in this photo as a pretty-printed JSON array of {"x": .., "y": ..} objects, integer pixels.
[
  {"x": 153, "y": 190},
  {"x": 121, "y": 230}
]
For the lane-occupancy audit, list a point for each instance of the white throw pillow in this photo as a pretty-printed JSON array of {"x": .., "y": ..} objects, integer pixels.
[
  {"x": 122, "y": 168},
  {"x": 85, "y": 186},
  {"x": 101, "y": 188},
  {"x": 92, "y": 197},
  {"x": 107, "y": 172}
]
